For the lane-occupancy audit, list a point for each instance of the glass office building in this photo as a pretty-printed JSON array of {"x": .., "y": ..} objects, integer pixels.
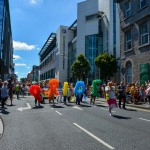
[
  {"x": 93, "y": 48},
  {"x": 6, "y": 46}
]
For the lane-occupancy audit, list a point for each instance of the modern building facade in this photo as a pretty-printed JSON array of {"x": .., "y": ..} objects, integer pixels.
[
  {"x": 35, "y": 73},
  {"x": 6, "y": 45},
  {"x": 72, "y": 50},
  {"x": 98, "y": 31},
  {"x": 135, "y": 40},
  {"x": 54, "y": 55}
]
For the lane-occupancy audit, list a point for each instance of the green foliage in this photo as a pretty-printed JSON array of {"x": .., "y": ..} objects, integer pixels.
[
  {"x": 22, "y": 80},
  {"x": 80, "y": 68},
  {"x": 107, "y": 64}
]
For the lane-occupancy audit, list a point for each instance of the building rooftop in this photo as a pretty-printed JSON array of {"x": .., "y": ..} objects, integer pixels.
[{"x": 47, "y": 43}]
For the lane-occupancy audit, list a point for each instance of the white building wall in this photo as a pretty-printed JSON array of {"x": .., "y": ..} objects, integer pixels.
[
  {"x": 85, "y": 28},
  {"x": 64, "y": 36}
]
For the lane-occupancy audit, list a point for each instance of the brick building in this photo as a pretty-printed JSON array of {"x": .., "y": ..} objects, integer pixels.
[{"x": 135, "y": 40}]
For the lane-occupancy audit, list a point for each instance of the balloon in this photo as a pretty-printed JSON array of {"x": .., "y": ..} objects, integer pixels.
[
  {"x": 54, "y": 83},
  {"x": 65, "y": 89},
  {"x": 35, "y": 91},
  {"x": 79, "y": 88},
  {"x": 95, "y": 88}
]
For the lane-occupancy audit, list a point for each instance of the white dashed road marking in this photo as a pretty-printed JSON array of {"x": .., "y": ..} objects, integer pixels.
[
  {"x": 58, "y": 113},
  {"x": 144, "y": 119},
  {"x": 76, "y": 107},
  {"x": 93, "y": 136}
]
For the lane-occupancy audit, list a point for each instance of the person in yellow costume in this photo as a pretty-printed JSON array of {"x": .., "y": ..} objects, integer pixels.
[{"x": 65, "y": 91}]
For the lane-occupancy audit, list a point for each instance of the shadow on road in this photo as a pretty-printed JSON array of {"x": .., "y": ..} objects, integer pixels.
[
  {"x": 85, "y": 105},
  {"x": 101, "y": 105},
  {"x": 84, "y": 102},
  {"x": 37, "y": 107},
  {"x": 120, "y": 117},
  {"x": 4, "y": 112},
  {"x": 130, "y": 109},
  {"x": 56, "y": 106}
]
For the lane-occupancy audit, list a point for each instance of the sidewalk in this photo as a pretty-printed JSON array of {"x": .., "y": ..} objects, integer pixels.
[
  {"x": 1, "y": 128},
  {"x": 140, "y": 105}
]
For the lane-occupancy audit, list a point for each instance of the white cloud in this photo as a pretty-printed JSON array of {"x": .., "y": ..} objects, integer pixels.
[
  {"x": 35, "y": 1},
  {"x": 16, "y": 57},
  {"x": 22, "y": 46},
  {"x": 16, "y": 72},
  {"x": 28, "y": 67},
  {"x": 18, "y": 64},
  {"x": 38, "y": 48}
]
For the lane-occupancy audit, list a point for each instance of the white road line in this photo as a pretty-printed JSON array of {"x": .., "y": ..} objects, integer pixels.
[
  {"x": 95, "y": 137},
  {"x": 28, "y": 105},
  {"x": 58, "y": 113},
  {"x": 144, "y": 119},
  {"x": 76, "y": 107}
]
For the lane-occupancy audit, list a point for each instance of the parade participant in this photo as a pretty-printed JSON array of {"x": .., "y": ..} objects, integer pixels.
[
  {"x": 69, "y": 93},
  {"x": 110, "y": 96},
  {"x": 52, "y": 91},
  {"x": 59, "y": 98},
  {"x": 142, "y": 93},
  {"x": 122, "y": 94},
  {"x": 35, "y": 91},
  {"x": 78, "y": 91},
  {"x": 133, "y": 92},
  {"x": 95, "y": 91},
  {"x": 148, "y": 93},
  {"x": 65, "y": 91},
  {"x": 23, "y": 90},
  {"x": 4, "y": 94},
  {"x": 10, "y": 87},
  {"x": 17, "y": 90}
]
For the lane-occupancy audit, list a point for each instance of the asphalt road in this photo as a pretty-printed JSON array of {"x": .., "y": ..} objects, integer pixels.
[{"x": 73, "y": 127}]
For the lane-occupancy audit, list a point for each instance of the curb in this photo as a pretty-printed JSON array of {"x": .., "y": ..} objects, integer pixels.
[{"x": 1, "y": 127}]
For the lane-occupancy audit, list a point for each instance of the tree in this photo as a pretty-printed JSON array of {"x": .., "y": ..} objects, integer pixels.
[
  {"x": 107, "y": 64},
  {"x": 22, "y": 80},
  {"x": 80, "y": 68}
]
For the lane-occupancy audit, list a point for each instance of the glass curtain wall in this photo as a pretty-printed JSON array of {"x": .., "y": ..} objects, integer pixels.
[
  {"x": 1, "y": 26},
  {"x": 93, "y": 47}
]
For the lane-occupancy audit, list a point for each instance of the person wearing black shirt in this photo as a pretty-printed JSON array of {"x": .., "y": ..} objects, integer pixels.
[{"x": 122, "y": 94}]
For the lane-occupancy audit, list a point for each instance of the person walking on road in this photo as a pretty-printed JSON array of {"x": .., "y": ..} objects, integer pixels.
[
  {"x": 17, "y": 90},
  {"x": 110, "y": 96},
  {"x": 122, "y": 94},
  {"x": 4, "y": 94},
  {"x": 148, "y": 93},
  {"x": 10, "y": 91}
]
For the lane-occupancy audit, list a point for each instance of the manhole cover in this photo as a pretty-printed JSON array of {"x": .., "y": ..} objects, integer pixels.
[{"x": 1, "y": 127}]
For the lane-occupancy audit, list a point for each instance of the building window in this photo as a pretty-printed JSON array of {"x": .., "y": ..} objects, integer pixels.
[
  {"x": 129, "y": 72},
  {"x": 91, "y": 17},
  {"x": 127, "y": 9},
  {"x": 143, "y": 3},
  {"x": 128, "y": 40},
  {"x": 144, "y": 35}
]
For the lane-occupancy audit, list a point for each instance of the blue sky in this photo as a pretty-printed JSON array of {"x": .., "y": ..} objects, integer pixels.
[{"x": 32, "y": 21}]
